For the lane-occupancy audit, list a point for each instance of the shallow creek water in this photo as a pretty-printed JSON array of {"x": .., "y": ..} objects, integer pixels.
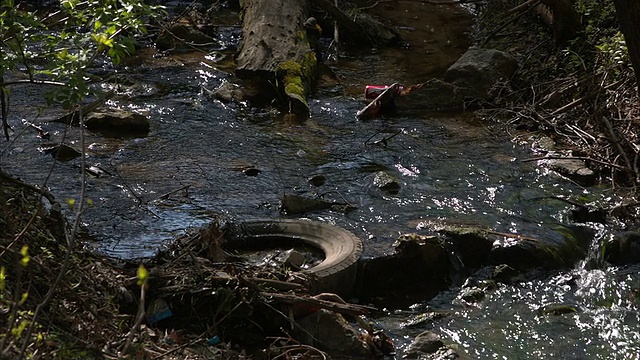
[{"x": 451, "y": 169}]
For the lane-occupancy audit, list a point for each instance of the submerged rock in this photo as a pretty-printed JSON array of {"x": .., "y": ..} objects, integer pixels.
[
  {"x": 557, "y": 309},
  {"x": 505, "y": 274},
  {"x": 434, "y": 95},
  {"x": 317, "y": 180},
  {"x": 624, "y": 249},
  {"x": 227, "y": 92},
  {"x": 573, "y": 169},
  {"x": 419, "y": 268},
  {"x": 425, "y": 318},
  {"x": 61, "y": 152},
  {"x": 472, "y": 245},
  {"x": 424, "y": 344},
  {"x": 384, "y": 181},
  {"x": 561, "y": 249},
  {"x": 118, "y": 123},
  {"x": 472, "y": 295},
  {"x": 298, "y": 204}
]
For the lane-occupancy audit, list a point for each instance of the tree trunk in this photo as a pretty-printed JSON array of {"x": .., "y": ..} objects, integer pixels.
[
  {"x": 562, "y": 17},
  {"x": 275, "y": 50},
  {"x": 628, "y": 12}
]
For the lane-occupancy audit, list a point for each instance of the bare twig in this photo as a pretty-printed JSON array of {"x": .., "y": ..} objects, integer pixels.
[
  {"x": 71, "y": 242},
  {"x": 165, "y": 196},
  {"x": 615, "y": 139},
  {"x": 575, "y": 158},
  {"x": 349, "y": 309},
  {"x": 384, "y": 140},
  {"x": 139, "y": 319},
  {"x": 509, "y": 21}
]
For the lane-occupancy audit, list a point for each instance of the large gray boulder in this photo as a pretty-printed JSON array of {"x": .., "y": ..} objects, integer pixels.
[{"x": 478, "y": 70}]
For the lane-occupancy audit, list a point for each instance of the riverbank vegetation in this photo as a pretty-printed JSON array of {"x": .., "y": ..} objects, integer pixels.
[
  {"x": 59, "y": 301},
  {"x": 580, "y": 92}
]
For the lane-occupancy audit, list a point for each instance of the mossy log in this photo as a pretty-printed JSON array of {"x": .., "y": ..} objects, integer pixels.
[{"x": 275, "y": 51}]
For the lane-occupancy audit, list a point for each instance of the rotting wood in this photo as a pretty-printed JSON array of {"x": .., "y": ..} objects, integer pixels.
[{"x": 275, "y": 50}]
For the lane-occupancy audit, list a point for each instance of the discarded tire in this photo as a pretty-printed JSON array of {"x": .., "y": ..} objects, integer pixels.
[{"x": 342, "y": 249}]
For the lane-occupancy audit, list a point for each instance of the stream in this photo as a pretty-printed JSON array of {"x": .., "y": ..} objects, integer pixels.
[{"x": 452, "y": 168}]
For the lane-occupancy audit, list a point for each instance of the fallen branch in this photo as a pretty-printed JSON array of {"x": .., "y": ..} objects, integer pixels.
[
  {"x": 351, "y": 27},
  {"x": 72, "y": 118},
  {"x": 349, "y": 309},
  {"x": 509, "y": 21},
  {"x": 615, "y": 139},
  {"x": 574, "y": 158},
  {"x": 165, "y": 196}
]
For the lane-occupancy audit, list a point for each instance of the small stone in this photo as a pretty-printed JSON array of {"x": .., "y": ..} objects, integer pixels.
[
  {"x": 252, "y": 171},
  {"x": 426, "y": 343},
  {"x": 557, "y": 309},
  {"x": 293, "y": 259},
  {"x": 472, "y": 295},
  {"x": 384, "y": 181},
  {"x": 62, "y": 152},
  {"x": 504, "y": 273},
  {"x": 317, "y": 180},
  {"x": 228, "y": 92}
]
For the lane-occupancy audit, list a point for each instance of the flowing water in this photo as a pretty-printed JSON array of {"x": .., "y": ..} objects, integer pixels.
[{"x": 451, "y": 169}]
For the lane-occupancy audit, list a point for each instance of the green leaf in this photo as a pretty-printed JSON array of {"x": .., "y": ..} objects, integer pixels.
[
  {"x": 103, "y": 40},
  {"x": 24, "y": 297},
  {"x": 143, "y": 275},
  {"x": 25, "y": 256},
  {"x": 3, "y": 278}
]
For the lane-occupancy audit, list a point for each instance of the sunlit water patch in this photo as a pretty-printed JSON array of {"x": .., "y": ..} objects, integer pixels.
[{"x": 510, "y": 322}]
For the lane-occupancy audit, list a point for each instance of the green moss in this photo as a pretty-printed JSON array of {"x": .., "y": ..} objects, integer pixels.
[{"x": 296, "y": 76}]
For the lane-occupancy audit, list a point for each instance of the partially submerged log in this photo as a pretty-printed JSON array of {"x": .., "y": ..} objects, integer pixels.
[{"x": 275, "y": 49}]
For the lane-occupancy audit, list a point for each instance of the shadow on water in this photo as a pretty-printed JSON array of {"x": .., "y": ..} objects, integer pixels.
[{"x": 450, "y": 169}]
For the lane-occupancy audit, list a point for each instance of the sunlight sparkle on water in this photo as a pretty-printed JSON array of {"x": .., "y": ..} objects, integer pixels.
[
  {"x": 460, "y": 206},
  {"x": 205, "y": 75},
  {"x": 413, "y": 171}
]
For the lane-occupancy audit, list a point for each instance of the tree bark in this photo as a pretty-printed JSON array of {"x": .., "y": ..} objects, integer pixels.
[
  {"x": 275, "y": 49},
  {"x": 628, "y": 12},
  {"x": 563, "y": 20}
]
